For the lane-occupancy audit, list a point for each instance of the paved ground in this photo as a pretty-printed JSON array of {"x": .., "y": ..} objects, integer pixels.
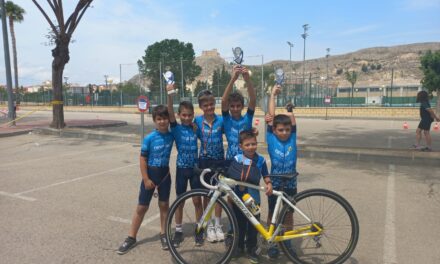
[
  {"x": 346, "y": 139},
  {"x": 68, "y": 200}
]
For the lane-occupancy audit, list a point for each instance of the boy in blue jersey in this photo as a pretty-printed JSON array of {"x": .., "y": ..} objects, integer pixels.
[
  {"x": 248, "y": 167},
  {"x": 281, "y": 145},
  {"x": 154, "y": 167},
  {"x": 186, "y": 144},
  {"x": 232, "y": 106},
  {"x": 211, "y": 154}
]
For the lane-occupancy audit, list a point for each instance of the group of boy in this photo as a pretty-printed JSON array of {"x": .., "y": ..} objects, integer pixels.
[{"x": 208, "y": 129}]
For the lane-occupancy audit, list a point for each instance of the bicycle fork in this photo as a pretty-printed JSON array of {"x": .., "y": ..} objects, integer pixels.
[{"x": 207, "y": 213}]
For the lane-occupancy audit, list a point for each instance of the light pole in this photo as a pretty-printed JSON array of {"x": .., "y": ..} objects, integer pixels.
[
  {"x": 326, "y": 56},
  {"x": 304, "y": 36},
  {"x": 290, "y": 65}
]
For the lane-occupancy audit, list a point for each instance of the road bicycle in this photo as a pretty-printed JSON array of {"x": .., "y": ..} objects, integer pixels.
[{"x": 325, "y": 227}]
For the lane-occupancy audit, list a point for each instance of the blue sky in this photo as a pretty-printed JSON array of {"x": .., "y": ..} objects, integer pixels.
[{"x": 117, "y": 32}]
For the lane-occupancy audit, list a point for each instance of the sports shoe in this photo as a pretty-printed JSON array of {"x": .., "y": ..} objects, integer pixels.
[
  {"x": 163, "y": 241},
  {"x": 417, "y": 147},
  {"x": 426, "y": 149},
  {"x": 128, "y": 244},
  {"x": 219, "y": 233},
  {"x": 273, "y": 252},
  {"x": 211, "y": 236},
  {"x": 198, "y": 237},
  {"x": 253, "y": 257},
  {"x": 178, "y": 238}
]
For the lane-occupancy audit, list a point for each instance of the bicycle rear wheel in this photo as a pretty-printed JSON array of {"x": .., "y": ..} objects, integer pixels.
[
  {"x": 334, "y": 215},
  {"x": 190, "y": 250}
]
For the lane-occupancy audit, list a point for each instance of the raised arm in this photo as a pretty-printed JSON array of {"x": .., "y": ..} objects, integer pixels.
[
  {"x": 228, "y": 89},
  {"x": 275, "y": 91},
  {"x": 170, "y": 103},
  {"x": 289, "y": 108},
  {"x": 251, "y": 89}
]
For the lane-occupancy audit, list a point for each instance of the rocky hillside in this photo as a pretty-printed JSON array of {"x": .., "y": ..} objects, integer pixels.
[{"x": 374, "y": 65}]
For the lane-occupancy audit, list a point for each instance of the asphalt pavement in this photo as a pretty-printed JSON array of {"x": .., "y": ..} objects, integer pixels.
[{"x": 347, "y": 139}]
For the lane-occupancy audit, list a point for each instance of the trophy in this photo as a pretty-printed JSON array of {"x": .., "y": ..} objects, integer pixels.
[
  {"x": 279, "y": 76},
  {"x": 238, "y": 55},
  {"x": 169, "y": 79}
]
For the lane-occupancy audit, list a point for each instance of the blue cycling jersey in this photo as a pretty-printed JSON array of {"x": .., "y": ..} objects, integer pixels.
[
  {"x": 186, "y": 144},
  {"x": 211, "y": 138},
  {"x": 233, "y": 127},
  {"x": 156, "y": 147},
  {"x": 282, "y": 156}
]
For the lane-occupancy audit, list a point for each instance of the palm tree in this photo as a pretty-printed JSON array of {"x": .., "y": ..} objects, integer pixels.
[
  {"x": 15, "y": 14},
  {"x": 351, "y": 77}
]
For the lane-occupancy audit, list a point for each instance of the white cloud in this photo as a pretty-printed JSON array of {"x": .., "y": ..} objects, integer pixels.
[
  {"x": 358, "y": 30},
  {"x": 421, "y": 4}
]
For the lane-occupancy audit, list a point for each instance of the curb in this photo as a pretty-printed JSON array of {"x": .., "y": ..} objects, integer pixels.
[
  {"x": 345, "y": 154},
  {"x": 15, "y": 133}
]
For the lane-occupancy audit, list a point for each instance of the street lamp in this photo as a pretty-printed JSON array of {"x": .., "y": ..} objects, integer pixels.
[
  {"x": 106, "y": 87},
  {"x": 304, "y": 36},
  {"x": 326, "y": 56},
  {"x": 290, "y": 64}
]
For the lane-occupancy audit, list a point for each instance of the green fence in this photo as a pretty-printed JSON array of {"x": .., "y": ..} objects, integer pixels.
[{"x": 121, "y": 99}]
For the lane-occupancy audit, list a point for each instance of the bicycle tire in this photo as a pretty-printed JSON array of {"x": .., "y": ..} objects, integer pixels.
[
  {"x": 207, "y": 253},
  {"x": 319, "y": 204}
]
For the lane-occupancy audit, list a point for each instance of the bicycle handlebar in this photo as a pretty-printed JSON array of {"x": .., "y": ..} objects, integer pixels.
[
  {"x": 202, "y": 180},
  {"x": 228, "y": 181}
]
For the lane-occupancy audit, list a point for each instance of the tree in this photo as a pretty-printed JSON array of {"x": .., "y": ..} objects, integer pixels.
[
  {"x": 268, "y": 78},
  {"x": 430, "y": 62},
  {"x": 61, "y": 32},
  {"x": 220, "y": 79},
  {"x": 364, "y": 68},
  {"x": 14, "y": 13},
  {"x": 200, "y": 86},
  {"x": 169, "y": 54},
  {"x": 351, "y": 77},
  {"x": 129, "y": 88}
]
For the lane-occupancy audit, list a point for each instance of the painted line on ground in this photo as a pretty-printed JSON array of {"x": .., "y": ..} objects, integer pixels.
[
  {"x": 75, "y": 179},
  {"x": 61, "y": 155},
  {"x": 144, "y": 223},
  {"x": 389, "y": 251},
  {"x": 14, "y": 195}
]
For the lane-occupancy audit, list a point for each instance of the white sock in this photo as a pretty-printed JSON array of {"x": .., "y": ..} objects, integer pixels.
[
  {"x": 179, "y": 228},
  {"x": 217, "y": 221}
]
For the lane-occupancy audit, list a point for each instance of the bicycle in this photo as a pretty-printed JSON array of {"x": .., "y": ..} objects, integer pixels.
[{"x": 317, "y": 236}]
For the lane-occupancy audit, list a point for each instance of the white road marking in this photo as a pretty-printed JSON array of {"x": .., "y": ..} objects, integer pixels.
[
  {"x": 144, "y": 223},
  {"x": 76, "y": 179},
  {"x": 14, "y": 195},
  {"x": 389, "y": 252},
  {"x": 390, "y": 138},
  {"x": 60, "y": 156}
]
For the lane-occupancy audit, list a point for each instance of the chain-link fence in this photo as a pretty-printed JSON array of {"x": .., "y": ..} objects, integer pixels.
[{"x": 309, "y": 87}]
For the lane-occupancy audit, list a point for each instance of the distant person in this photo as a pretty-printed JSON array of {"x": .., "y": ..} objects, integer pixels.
[
  {"x": 154, "y": 166},
  {"x": 186, "y": 143},
  {"x": 427, "y": 116}
]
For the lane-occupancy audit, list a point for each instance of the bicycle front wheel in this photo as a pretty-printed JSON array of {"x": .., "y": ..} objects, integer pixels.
[
  {"x": 334, "y": 215},
  {"x": 191, "y": 246}
]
